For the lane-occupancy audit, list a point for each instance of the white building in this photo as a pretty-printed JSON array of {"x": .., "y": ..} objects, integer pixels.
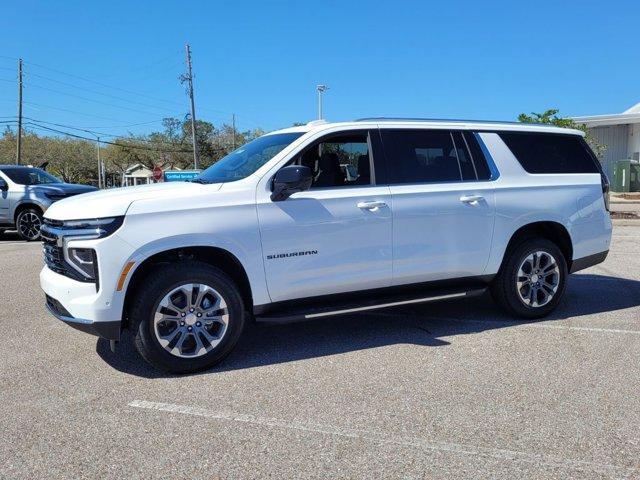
[
  {"x": 620, "y": 132},
  {"x": 137, "y": 174}
]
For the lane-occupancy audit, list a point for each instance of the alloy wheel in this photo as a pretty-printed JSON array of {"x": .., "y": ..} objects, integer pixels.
[
  {"x": 537, "y": 279},
  {"x": 29, "y": 225},
  {"x": 191, "y": 320}
]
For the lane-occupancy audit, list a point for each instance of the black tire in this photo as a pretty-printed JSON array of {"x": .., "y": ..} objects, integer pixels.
[
  {"x": 28, "y": 224},
  {"x": 504, "y": 289},
  {"x": 159, "y": 283}
]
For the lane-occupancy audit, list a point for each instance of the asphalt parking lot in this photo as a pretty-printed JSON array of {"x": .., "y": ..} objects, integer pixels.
[{"x": 453, "y": 390}]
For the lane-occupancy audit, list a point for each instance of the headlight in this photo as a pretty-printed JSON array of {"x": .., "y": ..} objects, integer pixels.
[
  {"x": 55, "y": 196},
  {"x": 84, "y": 261},
  {"x": 96, "y": 227}
]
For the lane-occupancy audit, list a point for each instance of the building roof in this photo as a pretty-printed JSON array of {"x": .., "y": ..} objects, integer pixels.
[{"x": 630, "y": 115}]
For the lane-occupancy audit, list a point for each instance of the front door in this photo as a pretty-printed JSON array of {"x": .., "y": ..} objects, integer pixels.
[
  {"x": 5, "y": 208},
  {"x": 443, "y": 204},
  {"x": 335, "y": 237}
]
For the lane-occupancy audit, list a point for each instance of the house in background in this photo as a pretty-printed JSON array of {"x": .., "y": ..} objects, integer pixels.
[
  {"x": 620, "y": 132},
  {"x": 137, "y": 174}
]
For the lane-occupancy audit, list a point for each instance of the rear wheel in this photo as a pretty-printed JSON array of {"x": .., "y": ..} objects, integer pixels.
[
  {"x": 532, "y": 279},
  {"x": 187, "y": 317},
  {"x": 28, "y": 224}
]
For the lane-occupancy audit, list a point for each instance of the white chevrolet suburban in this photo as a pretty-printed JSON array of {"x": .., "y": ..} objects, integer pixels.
[{"x": 326, "y": 219}]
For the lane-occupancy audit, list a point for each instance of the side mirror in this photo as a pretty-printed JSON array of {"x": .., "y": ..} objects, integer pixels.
[
  {"x": 3, "y": 185},
  {"x": 289, "y": 180}
]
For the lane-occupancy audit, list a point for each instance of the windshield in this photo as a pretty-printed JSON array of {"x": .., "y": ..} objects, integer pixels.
[
  {"x": 29, "y": 176},
  {"x": 247, "y": 159}
]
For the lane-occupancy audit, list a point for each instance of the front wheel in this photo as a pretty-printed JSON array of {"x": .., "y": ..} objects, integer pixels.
[
  {"x": 28, "y": 224},
  {"x": 186, "y": 317},
  {"x": 532, "y": 279}
]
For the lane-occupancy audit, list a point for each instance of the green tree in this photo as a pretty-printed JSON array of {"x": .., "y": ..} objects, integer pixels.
[{"x": 551, "y": 117}]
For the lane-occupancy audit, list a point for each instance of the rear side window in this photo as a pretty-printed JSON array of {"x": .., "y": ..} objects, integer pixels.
[
  {"x": 421, "y": 156},
  {"x": 550, "y": 152},
  {"x": 479, "y": 160},
  {"x": 467, "y": 168}
]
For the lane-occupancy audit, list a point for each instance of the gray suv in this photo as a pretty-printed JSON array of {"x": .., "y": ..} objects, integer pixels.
[{"x": 26, "y": 193}]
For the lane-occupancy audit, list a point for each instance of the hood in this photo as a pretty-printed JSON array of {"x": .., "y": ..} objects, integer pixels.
[
  {"x": 115, "y": 202},
  {"x": 63, "y": 189}
]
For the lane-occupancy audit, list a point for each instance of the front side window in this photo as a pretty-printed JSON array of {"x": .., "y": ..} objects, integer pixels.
[
  {"x": 338, "y": 160},
  {"x": 247, "y": 159},
  {"x": 421, "y": 156},
  {"x": 30, "y": 176}
]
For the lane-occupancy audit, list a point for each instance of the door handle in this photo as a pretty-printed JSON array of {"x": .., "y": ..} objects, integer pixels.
[
  {"x": 372, "y": 206},
  {"x": 471, "y": 199}
]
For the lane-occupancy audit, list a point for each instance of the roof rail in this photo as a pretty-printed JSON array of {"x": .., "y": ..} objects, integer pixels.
[
  {"x": 453, "y": 120},
  {"x": 313, "y": 123}
]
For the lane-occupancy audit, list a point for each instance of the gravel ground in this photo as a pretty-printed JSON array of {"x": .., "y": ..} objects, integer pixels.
[{"x": 453, "y": 390}]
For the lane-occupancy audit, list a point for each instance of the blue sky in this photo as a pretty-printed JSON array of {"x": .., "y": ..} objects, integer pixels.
[{"x": 262, "y": 60}]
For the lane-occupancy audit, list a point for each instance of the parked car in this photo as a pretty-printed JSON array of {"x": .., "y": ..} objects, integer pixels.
[
  {"x": 276, "y": 231},
  {"x": 26, "y": 193}
]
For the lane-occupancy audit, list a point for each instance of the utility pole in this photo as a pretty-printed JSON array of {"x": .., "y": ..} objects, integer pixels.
[
  {"x": 233, "y": 126},
  {"x": 19, "y": 139},
  {"x": 99, "y": 163},
  {"x": 321, "y": 89},
  {"x": 188, "y": 77}
]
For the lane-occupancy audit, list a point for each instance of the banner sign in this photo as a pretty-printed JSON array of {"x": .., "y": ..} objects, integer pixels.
[{"x": 180, "y": 175}]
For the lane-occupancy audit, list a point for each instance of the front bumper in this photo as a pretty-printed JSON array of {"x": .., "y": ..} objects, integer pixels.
[
  {"x": 80, "y": 306},
  {"x": 108, "y": 330}
]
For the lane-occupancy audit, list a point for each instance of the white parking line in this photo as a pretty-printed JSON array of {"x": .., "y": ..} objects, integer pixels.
[
  {"x": 415, "y": 442},
  {"x": 538, "y": 325},
  {"x": 507, "y": 323},
  {"x": 18, "y": 242}
]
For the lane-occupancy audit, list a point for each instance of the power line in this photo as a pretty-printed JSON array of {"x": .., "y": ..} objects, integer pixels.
[
  {"x": 102, "y": 84},
  {"x": 91, "y": 91},
  {"x": 106, "y": 142},
  {"x": 152, "y": 64},
  {"x": 95, "y": 101},
  {"x": 108, "y": 126},
  {"x": 39, "y": 122},
  {"x": 72, "y": 111},
  {"x": 137, "y": 94}
]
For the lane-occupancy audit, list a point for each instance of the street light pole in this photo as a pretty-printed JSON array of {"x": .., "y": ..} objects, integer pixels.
[{"x": 321, "y": 89}]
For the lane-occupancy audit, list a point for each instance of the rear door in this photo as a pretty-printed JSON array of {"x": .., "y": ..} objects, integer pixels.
[
  {"x": 335, "y": 237},
  {"x": 443, "y": 204}
]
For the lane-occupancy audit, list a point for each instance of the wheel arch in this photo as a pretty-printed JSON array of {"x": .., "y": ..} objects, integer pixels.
[
  {"x": 552, "y": 231},
  {"x": 215, "y": 256},
  {"x": 24, "y": 206}
]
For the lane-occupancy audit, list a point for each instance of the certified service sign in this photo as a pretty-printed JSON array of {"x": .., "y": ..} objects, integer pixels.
[{"x": 180, "y": 175}]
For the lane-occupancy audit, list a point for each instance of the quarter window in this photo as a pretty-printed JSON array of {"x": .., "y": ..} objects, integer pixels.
[{"x": 550, "y": 152}]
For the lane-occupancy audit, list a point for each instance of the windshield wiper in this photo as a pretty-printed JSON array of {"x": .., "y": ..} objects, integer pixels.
[{"x": 200, "y": 180}]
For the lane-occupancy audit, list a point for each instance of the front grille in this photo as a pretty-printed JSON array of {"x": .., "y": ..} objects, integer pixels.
[
  {"x": 53, "y": 257},
  {"x": 54, "y": 254}
]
